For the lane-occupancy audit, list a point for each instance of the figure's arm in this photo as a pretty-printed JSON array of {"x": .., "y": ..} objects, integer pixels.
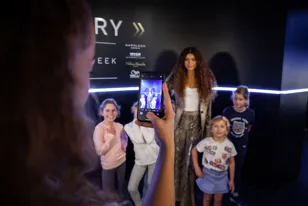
[
  {"x": 200, "y": 147},
  {"x": 251, "y": 122},
  {"x": 124, "y": 139},
  {"x": 213, "y": 83},
  {"x": 232, "y": 163},
  {"x": 148, "y": 135},
  {"x": 208, "y": 118},
  {"x": 102, "y": 146},
  {"x": 232, "y": 169},
  {"x": 134, "y": 135},
  {"x": 197, "y": 168},
  {"x": 249, "y": 127},
  {"x": 169, "y": 82},
  {"x": 225, "y": 113}
]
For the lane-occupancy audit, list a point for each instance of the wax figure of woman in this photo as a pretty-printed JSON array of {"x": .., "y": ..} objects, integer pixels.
[
  {"x": 191, "y": 83},
  {"x": 47, "y": 50},
  {"x": 150, "y": 94}
]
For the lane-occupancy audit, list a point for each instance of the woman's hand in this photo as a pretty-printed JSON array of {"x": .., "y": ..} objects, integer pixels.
[{"x": 164, "y": 127}]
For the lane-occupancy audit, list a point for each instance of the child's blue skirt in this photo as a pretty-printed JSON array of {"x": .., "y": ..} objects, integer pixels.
[{"x": 213, "y": 182}]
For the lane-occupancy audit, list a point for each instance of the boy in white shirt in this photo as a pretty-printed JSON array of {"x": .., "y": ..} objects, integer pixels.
[{"x": 146, "y": 153}]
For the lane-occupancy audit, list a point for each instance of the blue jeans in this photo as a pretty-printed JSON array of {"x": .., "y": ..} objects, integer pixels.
[{"x": 135, "y": 178}]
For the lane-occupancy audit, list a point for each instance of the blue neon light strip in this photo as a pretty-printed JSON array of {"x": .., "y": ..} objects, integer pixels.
[
  {"x": 262, "y": 91},
  {"x": 115, "y": 89}
]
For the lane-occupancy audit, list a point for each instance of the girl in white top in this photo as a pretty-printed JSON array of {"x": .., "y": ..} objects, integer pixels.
[
  {"x": 146, "y": 152},
  {"x": 218, "y": 156}
]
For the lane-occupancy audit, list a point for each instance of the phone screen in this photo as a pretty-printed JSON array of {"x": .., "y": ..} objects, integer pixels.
[{"x": 150, "y": 95}]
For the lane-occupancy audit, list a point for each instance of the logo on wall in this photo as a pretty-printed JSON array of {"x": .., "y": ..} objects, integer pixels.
[
  {"x": 111, "y": 33},
  {"x": 135, "y": 46},
  {"x": 135, "y": 55},
  {"x": 139, "y": 29},
  {"x": 135, "y": 64},
  {"x": 106, "y": 60},
  {"x": 103, "y": 25},
  {"x": 134, "y": 74},
  {"x": 111, "y": 27}
]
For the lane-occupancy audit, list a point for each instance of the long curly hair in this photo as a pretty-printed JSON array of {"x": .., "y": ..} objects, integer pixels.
[
  {"x": 46, "y": 148},
  {"x": 204, "y": 77}
]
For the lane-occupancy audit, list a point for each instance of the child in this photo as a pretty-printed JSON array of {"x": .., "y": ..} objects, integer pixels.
[
  {"x": 146, "y": 153},
  {"x": 110, "y": 143},
  {"x": 218, "y": 156},
  {"x": 153, "y": 103},
  {"x": 241, "y": 119},
  {"x": 142, "y": 101}
]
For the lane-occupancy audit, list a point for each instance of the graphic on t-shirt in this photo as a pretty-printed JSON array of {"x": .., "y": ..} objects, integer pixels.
[
  {"x": 218, "y": 165},
  {"x": 238, "y": 128},
  {"x": 218, "y": 161},
  {"x": 222, "y": 167},
  {"x": 209, "y": 149},
  {"x": 228, "y": 149},
  {"x": 212, "y": 164},
  {"x": 227, "y": 161},
  {"x": 239, "y": 123}
]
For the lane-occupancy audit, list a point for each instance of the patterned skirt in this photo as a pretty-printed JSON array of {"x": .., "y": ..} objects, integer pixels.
[{"x": 187, "y": 135}]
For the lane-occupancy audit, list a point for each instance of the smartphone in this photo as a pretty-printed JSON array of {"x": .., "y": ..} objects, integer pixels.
[{"x": 151, "y": 98}]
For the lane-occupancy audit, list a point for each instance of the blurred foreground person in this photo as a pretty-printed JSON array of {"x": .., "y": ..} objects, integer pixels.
[{"x": 47, "y": 50}]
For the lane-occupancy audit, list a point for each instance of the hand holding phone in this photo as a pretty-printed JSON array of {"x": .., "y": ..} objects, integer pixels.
[
  {"x": 164, "y": 127},
  {"x": 150, "y": 96}
]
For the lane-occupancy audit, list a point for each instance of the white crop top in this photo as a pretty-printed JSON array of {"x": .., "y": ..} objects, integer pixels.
[{"x": 191, "y": 99}]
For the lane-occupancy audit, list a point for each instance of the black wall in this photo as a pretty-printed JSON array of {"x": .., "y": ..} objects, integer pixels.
[
  {"x": 250, "y": 39},
  {"x": 293, "y": 106},
  {"x": 242, "y": 46}
]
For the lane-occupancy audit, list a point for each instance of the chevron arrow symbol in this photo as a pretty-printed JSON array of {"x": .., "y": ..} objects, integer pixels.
[
  {"x": 142, "y": 29},
  {"x": 138, "y": 26}
]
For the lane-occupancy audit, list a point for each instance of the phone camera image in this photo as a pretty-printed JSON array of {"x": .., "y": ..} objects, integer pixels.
[{"x": 150, "y": 95}]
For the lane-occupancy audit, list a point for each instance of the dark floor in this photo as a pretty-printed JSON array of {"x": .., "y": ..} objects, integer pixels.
[{"x": 293, "y": 194}]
